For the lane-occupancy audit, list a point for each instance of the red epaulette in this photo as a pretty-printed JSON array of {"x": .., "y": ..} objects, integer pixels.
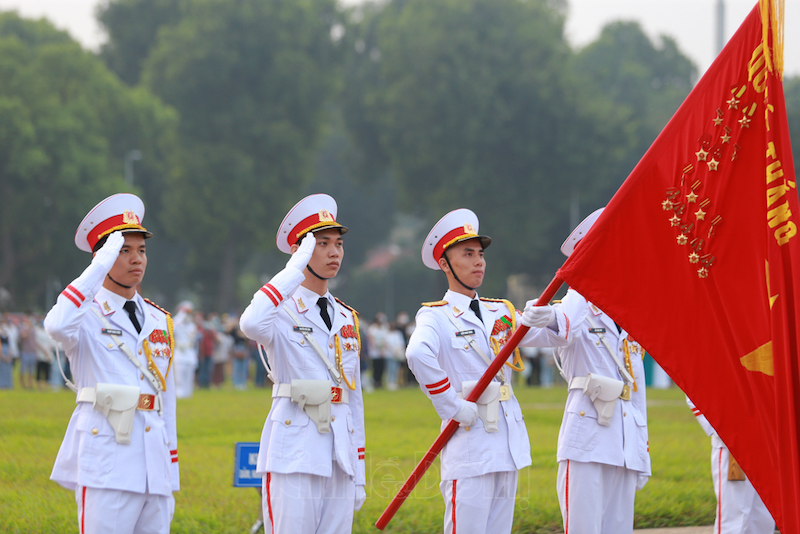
[
  {"x": 346, "y": 306},
  {"x": 435, "y": 303},
  {"x": 153, "y": 304}
]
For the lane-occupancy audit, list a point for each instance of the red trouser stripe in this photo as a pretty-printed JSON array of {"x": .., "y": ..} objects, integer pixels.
[
  {"x": 719, "y": 492},
  {"x": 454, "y": 507},
  {"x": 269, "y": 504},
  {"x": 83, "y": 509},
  {"x": 566, "y": 497}
]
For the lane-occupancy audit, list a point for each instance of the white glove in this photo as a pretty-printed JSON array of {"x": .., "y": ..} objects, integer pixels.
[
  {"x": 303, "y": 254},
  {"x": 641, "y": 480},
  {"x": 467, "y": 414},
  {"x": 109, "y": 252},
  {"x": 361, "y": 497},
  {"x": 537, "y": 316}
]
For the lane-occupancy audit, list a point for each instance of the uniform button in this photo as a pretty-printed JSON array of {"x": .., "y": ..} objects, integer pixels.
[
  {"x": 466, "y": 428},
  {"x": 352, "y": 430},
  {"x": 333, "y": 418},
  {"x": 147, "y": 429},
  {"x": 330, "y": 346},
  {"x": 582, "y": 413},
  {"x": 506, "y": 414},
  {"x": 110, "y": 345},
  {"x": 94, "y": 431},
  {"x": 140, "y": 351},
  {"x": 303, "y": 342},
  {"x": 598, "y": 343},
  {"x": 466, "y": 347},
  {"x": 624, "y": 414},
  {"x": 141, "y": 377},
  {"x": 288, "y": 422}
]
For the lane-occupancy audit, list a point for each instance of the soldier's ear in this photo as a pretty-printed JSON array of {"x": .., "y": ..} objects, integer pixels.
[{"x": 443, "y": 265}]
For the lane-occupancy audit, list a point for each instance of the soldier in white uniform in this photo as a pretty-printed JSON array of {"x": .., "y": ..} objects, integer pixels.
[
  {"x": 603, "y": 448},
  {"x": 740, "y": 509},
  {"x": 186, "y": 338},
  {"x": 313, "y": 442},
  {"x": 120, "y": 452},
  {"x": 451, "y": 347}
]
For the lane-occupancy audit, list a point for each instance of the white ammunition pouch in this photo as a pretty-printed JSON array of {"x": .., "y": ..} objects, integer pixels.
[
  {"x": 488, "y": 403},
  {"x": 314, "y": 397},
  {"x": 603, "y": 391},
  {"x": 118, "y": 403}
]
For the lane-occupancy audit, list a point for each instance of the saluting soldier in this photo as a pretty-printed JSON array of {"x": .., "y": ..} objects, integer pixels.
[
  {"x": 453, "y": 343},
  {"x": 120, "y": 451},
  {"x": 312, "y": 445},
  {"x": 603, "y": 449}
]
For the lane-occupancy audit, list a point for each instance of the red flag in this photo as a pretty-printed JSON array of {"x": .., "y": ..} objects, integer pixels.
[{"x": 697, "y": 253}]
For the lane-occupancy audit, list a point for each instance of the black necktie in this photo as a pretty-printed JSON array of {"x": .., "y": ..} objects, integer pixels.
[
  {"x": 130, "y": 307},
  {"x": 323, "y": 311},
  {"x": 475, "y": 306}
]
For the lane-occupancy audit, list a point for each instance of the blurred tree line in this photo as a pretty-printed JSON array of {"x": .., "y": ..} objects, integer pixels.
[{"x": 221, "y": 114}]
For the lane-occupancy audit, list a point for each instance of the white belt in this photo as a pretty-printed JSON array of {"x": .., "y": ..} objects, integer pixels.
[
  {"x": 578, "y": 382},
  {"x": 338, "y": 395},
  {"x": 510, "y": 392},
  {"x": 146, "y": 403}
]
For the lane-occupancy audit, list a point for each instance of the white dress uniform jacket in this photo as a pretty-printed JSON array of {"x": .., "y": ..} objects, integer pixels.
[
  {"x": 89, "y": 455},
  {"x": 625, "y": 442},
  {"x": 442, "y": 360},
  {"x": 290, "y": 441}
]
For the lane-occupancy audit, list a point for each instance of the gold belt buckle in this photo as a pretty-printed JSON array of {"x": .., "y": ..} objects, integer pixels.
[
  {"x": 505, "y": 392},
  {"x": 626, "y": 393},
  {"x": 146, "y": 402},
  {"x": 336, "y": 394}
]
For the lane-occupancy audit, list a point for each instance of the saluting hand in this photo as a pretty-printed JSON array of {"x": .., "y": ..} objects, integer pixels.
[
  {"x": 109, "y": 252},
  {"x": 303, "y": 254}
]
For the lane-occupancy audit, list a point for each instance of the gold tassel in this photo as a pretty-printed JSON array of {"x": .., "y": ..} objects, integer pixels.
[{"x": 772, "y": 16}]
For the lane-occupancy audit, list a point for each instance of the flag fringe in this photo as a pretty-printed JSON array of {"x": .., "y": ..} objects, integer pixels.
[{"x": 773, "y": 11}]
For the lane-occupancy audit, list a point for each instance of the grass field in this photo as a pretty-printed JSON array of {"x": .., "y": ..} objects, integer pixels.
[{"x": 401, "y": 425}]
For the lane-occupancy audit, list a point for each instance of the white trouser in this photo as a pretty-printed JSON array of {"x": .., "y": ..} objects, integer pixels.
[
  {"x": 101, "y": 511},
  {"x": 299, "y": 503},
  {"x": 480, "y": 504},
  {"x": 739, "y": 508},
  {"x": 184, "y": 378},
  {"x": 596, "y": 498}
]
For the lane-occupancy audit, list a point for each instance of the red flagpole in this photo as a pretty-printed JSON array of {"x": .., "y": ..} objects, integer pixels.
[{"x": 452, "y": 425}]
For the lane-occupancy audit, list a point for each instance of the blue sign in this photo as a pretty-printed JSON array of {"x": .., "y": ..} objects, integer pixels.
[{"x": 244, "y": 467}]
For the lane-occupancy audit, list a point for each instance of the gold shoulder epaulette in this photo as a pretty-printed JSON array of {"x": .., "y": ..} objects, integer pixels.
[
  {"x": 555, "y": 302},
  {"x": 346, "y": 306},
  {"x": 153, "y": 304},
  {"x": 487, "y": 299},
  {"x": 435, "y": 303}
]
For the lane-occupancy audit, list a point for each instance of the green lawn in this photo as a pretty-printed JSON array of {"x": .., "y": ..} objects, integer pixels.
[{"x": 401, "y": 425}]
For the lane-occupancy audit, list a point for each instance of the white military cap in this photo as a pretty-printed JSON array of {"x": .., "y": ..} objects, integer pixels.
[
  {"x": 458, "y": 225},
  {"x": 312, "y": 214},
  {"x": 581, "y": 230},
  {"x": 123, "y": 212}
]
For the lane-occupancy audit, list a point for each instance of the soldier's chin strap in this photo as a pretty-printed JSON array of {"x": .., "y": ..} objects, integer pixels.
[
  {"x": 453, "y": 272},
  {"x": 312, "y": 272},
  {"x": 120, "y": 285}
]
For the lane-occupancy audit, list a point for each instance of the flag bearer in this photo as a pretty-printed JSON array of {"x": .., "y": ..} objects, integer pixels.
[
  {"x": 603, "y": 449},
  {"x": 312, "y": 445},
  {"x": 120, "y": 452},
  {"x": 452, "y": 345}
]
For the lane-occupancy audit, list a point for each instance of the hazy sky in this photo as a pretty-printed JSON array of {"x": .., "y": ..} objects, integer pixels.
[{"x": 690, "y": 22}]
